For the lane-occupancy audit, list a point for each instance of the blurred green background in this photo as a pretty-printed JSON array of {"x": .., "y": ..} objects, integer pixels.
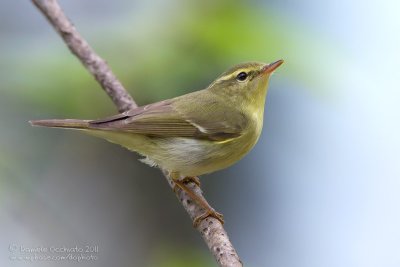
[{"x": 321, "y": 188}]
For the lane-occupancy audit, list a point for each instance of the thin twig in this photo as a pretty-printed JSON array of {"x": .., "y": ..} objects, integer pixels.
[
  {"x": 210, "y": 228},
  {"x": 82, "y": 50}
]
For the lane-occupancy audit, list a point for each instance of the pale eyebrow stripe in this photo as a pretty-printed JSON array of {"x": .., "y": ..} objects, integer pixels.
[{"x": 229, "y": 76}]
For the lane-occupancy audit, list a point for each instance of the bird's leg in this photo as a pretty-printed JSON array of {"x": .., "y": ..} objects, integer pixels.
[
  {"x": 191, "y": 179},
  {"x": 188, "y": 179},
  {"x": 209, "y": 211}
]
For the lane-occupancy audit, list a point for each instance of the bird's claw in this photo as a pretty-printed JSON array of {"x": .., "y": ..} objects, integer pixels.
[
  {"x": 191, "y": 179},
  {"x": 206, "y": 214}
]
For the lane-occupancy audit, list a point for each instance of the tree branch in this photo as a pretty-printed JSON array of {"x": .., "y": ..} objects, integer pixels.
[
  {"x": 210, "y": 228},
  {"x": 81, "y": 49}
]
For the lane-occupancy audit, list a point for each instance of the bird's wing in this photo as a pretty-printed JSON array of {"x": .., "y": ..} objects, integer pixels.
[{"x": 171, "y": 118}]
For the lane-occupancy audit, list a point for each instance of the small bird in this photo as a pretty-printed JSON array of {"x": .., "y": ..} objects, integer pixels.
[{"x": 193, "y": 134}]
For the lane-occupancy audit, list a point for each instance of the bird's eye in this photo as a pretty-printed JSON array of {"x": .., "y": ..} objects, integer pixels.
[{"x": 241, "y": 76}]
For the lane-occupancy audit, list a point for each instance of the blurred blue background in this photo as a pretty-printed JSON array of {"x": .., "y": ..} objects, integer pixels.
[{"x": 321, "y": 188}]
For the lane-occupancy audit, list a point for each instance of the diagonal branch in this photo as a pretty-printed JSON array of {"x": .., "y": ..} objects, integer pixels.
[
  {"x": 81, "y": 49},
  {"x": 210, "y": 228}
]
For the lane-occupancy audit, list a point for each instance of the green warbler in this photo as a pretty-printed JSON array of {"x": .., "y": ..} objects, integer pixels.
[{"x": 193, "y": 134}]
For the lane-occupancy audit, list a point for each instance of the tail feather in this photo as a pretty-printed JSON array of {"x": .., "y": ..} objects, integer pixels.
[{"x": 67, "y": 123}]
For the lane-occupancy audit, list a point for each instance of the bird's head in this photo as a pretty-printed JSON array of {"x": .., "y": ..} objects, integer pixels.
[{"x": 245, "y": 83}]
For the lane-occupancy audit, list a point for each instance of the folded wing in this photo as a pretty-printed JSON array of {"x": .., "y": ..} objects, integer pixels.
[{"x": 171, "y": 118}]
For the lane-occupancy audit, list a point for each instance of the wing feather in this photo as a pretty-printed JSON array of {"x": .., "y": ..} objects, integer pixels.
[{"x": 172, "y": 118}]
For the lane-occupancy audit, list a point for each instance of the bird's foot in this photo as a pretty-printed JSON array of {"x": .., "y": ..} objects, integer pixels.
[
  {"x": 192, "y": 179},
  {"x": 185, "y": 181},
  {"x": 208, "y": 213}
]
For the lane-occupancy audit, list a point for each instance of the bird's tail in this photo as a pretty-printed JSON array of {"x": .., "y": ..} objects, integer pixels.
[{"x": 66, "y": 123}]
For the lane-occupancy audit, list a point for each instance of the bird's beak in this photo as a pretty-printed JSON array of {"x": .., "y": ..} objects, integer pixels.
[{"x": 269, "y": 68}]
